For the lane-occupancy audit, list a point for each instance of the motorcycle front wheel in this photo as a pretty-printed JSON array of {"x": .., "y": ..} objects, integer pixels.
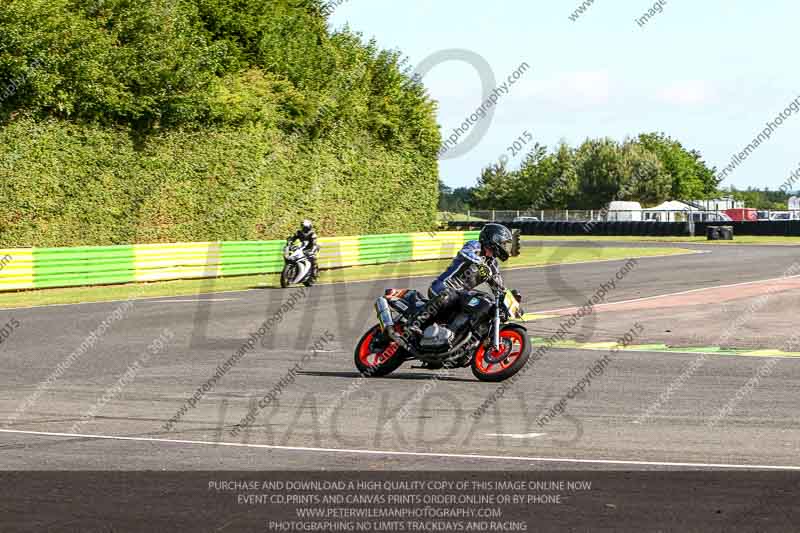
[
  {"x": 288, "y": 274},
  {"x": 515, "y": 349}
]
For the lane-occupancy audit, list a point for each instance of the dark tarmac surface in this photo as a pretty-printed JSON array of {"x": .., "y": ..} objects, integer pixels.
[{"x": 646, "y": 411}]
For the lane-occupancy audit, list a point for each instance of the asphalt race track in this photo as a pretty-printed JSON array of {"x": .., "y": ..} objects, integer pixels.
[{"x": 647, "y": 410}]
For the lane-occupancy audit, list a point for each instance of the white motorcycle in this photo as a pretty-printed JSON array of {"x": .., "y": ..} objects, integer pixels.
[{"x": 297, "y": 267}]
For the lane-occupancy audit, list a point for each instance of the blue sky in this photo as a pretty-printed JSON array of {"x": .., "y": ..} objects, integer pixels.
[{"x": 710, "y": 73}]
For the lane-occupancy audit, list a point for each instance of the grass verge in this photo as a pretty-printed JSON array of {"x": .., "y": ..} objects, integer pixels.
[{"x": 538, "y": 256}]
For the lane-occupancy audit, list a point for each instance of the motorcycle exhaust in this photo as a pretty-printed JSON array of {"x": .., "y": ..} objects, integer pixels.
[{"x": 384, "y": 313}]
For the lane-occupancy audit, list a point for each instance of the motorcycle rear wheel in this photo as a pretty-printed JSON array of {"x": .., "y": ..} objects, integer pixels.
[{"x": 371, "y": 357}]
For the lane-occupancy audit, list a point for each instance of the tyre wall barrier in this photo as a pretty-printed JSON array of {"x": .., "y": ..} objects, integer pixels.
[
  {"x": 775, "y": 228},
  {"x": 612, "y": 228},
  {"x": 38, "y": 268},
  {"x": 768, "y": 228}
]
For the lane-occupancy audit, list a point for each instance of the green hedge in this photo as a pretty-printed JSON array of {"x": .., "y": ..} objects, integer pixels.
[
  {"x": 195, "y": 120},
  {"x": 68, "y": 184}
]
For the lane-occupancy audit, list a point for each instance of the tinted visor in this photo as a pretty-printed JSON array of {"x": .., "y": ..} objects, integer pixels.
[{"x": 503, "y": 249}]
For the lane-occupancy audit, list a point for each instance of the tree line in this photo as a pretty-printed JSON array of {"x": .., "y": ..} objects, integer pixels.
[{"x": 649, "y": 169}]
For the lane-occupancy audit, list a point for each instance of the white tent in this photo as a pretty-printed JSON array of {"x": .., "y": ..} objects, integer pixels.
[{"x": 667, "y": 211}]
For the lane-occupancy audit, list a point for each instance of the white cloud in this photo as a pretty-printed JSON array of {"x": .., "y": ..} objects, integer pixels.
[
  {"x": 573, "y": 89},
  {"x": 687, "y": 93}
]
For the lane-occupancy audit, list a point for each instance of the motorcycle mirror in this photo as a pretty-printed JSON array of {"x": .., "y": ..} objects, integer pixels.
[{"x": 515, "y": 244}]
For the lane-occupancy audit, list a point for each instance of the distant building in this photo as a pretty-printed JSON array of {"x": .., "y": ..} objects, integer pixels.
[
  {"x": 681, "y": 211},
  {"x": 624, "y": 211}
]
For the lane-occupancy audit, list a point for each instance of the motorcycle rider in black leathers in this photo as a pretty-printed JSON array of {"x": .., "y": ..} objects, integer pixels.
[
  {"x": 476, "y": 263},
  {"x": 308, "y": 237}
]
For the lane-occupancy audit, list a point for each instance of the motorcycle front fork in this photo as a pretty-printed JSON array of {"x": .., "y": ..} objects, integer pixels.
[{"x": 496, "y": 329}]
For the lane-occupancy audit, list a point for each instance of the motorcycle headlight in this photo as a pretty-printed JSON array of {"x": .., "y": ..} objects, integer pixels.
[{"x": 511, "y": 304}]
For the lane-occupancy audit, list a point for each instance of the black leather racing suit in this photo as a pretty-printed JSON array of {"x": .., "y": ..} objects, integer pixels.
[
  {"x": 310, "y": 246},
  {"x": 468, "y": 270}
]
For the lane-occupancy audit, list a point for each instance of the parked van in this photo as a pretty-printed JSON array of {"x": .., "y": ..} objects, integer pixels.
[
  {"x": 745, "y": 214},
  {"x": 710, "y": 216}
]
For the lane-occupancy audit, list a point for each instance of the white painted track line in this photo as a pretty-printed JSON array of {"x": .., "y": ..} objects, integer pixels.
[
  {"x": 193, "y": 301},
  {"x": 679, "y": 293},
  {"x": 406, "y": 454}
]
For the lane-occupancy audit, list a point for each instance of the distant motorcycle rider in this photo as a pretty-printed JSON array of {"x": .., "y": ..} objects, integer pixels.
[
  {"x": 308, "y": 238},
  {"x": 476, "y": 263}
]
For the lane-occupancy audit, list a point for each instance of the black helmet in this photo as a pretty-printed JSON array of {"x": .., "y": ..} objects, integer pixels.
[
  {"x": 306, "y": 226},
  {"x": 498, "y": 238}
]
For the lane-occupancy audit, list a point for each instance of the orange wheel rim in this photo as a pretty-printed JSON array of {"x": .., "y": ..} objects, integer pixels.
[
  {"x": 511, "y": 344},
  {"x": 371, "y": 358}
]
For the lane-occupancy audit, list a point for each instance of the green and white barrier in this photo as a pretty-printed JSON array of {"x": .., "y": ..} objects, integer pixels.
[{"x": 38, "y": 268}]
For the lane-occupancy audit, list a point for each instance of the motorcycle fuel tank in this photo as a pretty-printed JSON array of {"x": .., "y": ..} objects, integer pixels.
[{"x": 476, "y": 303}]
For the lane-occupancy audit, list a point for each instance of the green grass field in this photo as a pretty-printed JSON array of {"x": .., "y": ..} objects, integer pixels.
[
  {"x": 546, "y": 255},
  {"x": 449, "y": 215},
  {"x": 742, "y": 239}
]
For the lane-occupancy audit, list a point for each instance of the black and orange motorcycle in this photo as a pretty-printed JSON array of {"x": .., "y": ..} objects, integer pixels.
[{"x": 474, "y": 332}]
